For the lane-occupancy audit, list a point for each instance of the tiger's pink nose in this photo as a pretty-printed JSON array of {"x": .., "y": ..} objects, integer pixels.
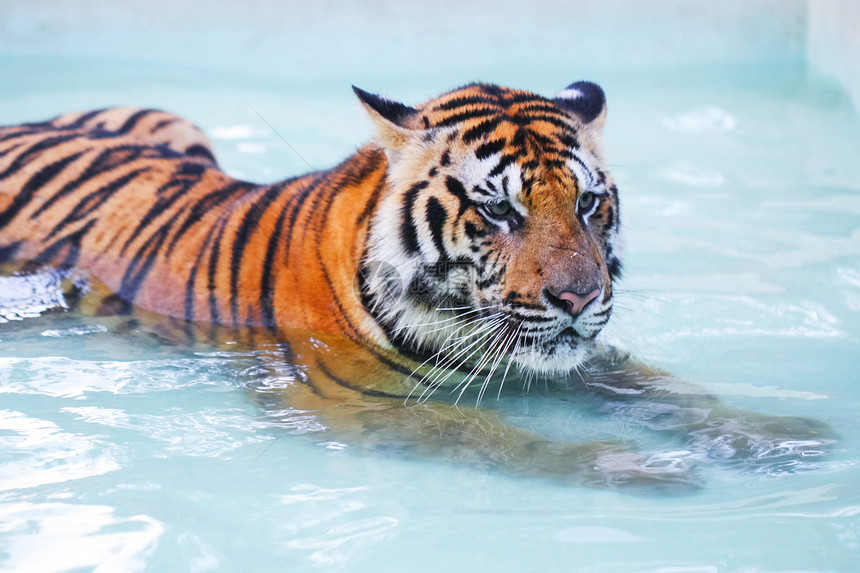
[{"x": 577, "y": 302}]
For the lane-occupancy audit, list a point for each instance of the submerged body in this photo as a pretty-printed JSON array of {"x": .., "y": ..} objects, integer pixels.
[{"x": 476, "y": 236}]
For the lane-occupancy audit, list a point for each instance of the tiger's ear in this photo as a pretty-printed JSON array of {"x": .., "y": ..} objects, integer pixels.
[
  {"x": 394, "y": 121},
  {"x": 585, "y": 101}
]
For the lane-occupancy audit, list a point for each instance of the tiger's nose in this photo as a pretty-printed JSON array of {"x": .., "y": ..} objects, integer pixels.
[{"x": 572, "y": 302}]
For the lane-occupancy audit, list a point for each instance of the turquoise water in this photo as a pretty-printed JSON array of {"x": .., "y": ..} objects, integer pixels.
[{"x": 741, "y": 199}]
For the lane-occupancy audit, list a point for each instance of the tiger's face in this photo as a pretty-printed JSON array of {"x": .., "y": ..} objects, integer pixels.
[{"x": 497, "y": 235}]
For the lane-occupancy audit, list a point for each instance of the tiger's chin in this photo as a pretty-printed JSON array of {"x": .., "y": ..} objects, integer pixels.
[{"x": 555, "y": 357}]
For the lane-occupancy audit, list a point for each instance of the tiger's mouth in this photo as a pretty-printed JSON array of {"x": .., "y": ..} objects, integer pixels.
[
  {"x": 465, "y": 346},
  {"x": 554, "y": 355}
]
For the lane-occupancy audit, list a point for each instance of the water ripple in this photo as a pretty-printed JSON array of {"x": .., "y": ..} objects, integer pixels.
[
  {"x": 341, "y": 514},
  {"x": 37, "y": 452},
  {"x": 59, "y": 376},
  {"x": 35, "y": 535},
  {"x": 208, "y": 433},
  {"x": 706, "y": 120}
]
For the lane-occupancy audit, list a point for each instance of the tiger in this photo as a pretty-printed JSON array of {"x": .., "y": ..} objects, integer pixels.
[{"x": 474, "y": 240}]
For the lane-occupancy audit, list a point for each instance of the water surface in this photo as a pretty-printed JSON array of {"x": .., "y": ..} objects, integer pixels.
[{"x": 741, "y": 200}]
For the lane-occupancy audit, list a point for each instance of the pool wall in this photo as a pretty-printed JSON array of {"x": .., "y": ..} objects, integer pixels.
[
  {"x": 833, "y": 45},
  {"x": 381, "y": 39}
]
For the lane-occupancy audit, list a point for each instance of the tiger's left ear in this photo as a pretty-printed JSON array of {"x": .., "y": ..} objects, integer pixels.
[
  {"x": 585, "y": 101},
  {"x": 395, "y": 122}
]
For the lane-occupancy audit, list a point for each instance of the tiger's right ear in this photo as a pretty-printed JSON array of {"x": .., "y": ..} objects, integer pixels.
[
  {"x": 585, "y": 101},
  {"x": 394, "y": 121}
]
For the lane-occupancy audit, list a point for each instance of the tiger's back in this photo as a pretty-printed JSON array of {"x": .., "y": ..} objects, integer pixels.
[{"x": 134, "y": 197}]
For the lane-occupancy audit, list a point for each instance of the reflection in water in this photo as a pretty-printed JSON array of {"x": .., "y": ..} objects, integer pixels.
[
  {"x": 347, "y": 527},
  {"x": 54, "y": 536},
  {"x": 36, "y": 452}
]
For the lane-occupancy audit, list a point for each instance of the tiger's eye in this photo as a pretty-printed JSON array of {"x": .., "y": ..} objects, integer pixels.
[
  {"x": 586, "y": 201},
  {"x": 499, "y": 209}
]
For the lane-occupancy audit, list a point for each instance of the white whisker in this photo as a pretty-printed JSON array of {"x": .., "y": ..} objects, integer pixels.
[
  {"x": 438, "y": 380},
  {"x": 510, "y": 360},
  {"x": 488, "y": 353},
  {"x": 500, "y": 354}
]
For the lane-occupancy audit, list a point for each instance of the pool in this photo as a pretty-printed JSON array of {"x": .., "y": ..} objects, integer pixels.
[{"x": 741, "y": 197}]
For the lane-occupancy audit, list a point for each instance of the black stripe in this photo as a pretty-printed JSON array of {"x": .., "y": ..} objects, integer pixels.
[
  {"x": 456, "y": 188},
  {"x": 545, "y": 143},
  {"x": 200, "y": 150},
  {"x": 370, "y": 206},
  {"x": 73, "y": 241},
  {"x": 302, "y": 376},
  {"x": 26, "y": 130},
  {"x": 83, "y": 119},
  {"x": 11, "y": 148},
  {"x": 106, "y": 160},
  {"x": 541, "y": 108},
  {"x": 554, "y": 163},
  {"x": 214, "y": 316},
  {"x": 481, "y": 129},
  {"x": 267, "y": 286},
  {"x": 473, "y": 232},
  {"x": 90, "y": 203},
  {"x": 319, "y": 229},
  {"x": 140, "y": 266},
  {"x": 466, "y": 115},
  {"x": 478, "y": 190},
  {"x": 436, "y": 216},
  {"x": 297, "y": 201},
  {"x": 206, "y": 204},
  {"x": 463, "y": 101},
  {"x": 189, "y": 289},
  {"x": 532, "y": 318},
  {"x": 26, "y": 156},
  {"x": 180, "y": 182},
  {"x": 568, "y": 141},
  {"x": 41, "y": 178},
  {"x": 134, "y": 118},
  {"x": 526, "y": 97},
  {"x": 192, "y": 277},
  {"x": 503, "y": 163},
  {"x": 164, "y": 123},
  {"x": 408, "y": 234},
  {"x": 356, "y": 169},
  {"x": 341, "y": 382},
  {"x": 9, "y": 252},
  {"x": 490, "y": 148},
  {"x": 247, "y": 226},
  {"x": 551, "y": 119}
]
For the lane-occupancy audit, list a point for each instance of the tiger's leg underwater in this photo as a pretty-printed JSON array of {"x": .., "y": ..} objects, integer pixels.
[
  {"x": 364, "y": 404},
  {"x": 711, "y": 428}
]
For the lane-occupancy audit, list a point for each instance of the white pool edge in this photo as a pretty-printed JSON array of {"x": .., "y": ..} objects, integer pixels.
[{"x": 833, "y": 42}]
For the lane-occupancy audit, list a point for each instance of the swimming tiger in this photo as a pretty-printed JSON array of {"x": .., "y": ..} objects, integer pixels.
[{"x": 476, "y": 237}]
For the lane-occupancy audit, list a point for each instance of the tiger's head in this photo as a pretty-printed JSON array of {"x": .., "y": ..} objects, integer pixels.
[{"x": 497, "y": 234}]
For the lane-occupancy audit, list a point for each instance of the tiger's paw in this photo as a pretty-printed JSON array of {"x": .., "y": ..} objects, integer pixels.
[
  {"x": 764, "y": 444},
  {"x": 614, "y": 465}
]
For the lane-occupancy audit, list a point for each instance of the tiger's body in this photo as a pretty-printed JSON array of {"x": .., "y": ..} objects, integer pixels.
[
  {"x": 168, "y": 232},
  {"x": 478, "y": 232}
]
